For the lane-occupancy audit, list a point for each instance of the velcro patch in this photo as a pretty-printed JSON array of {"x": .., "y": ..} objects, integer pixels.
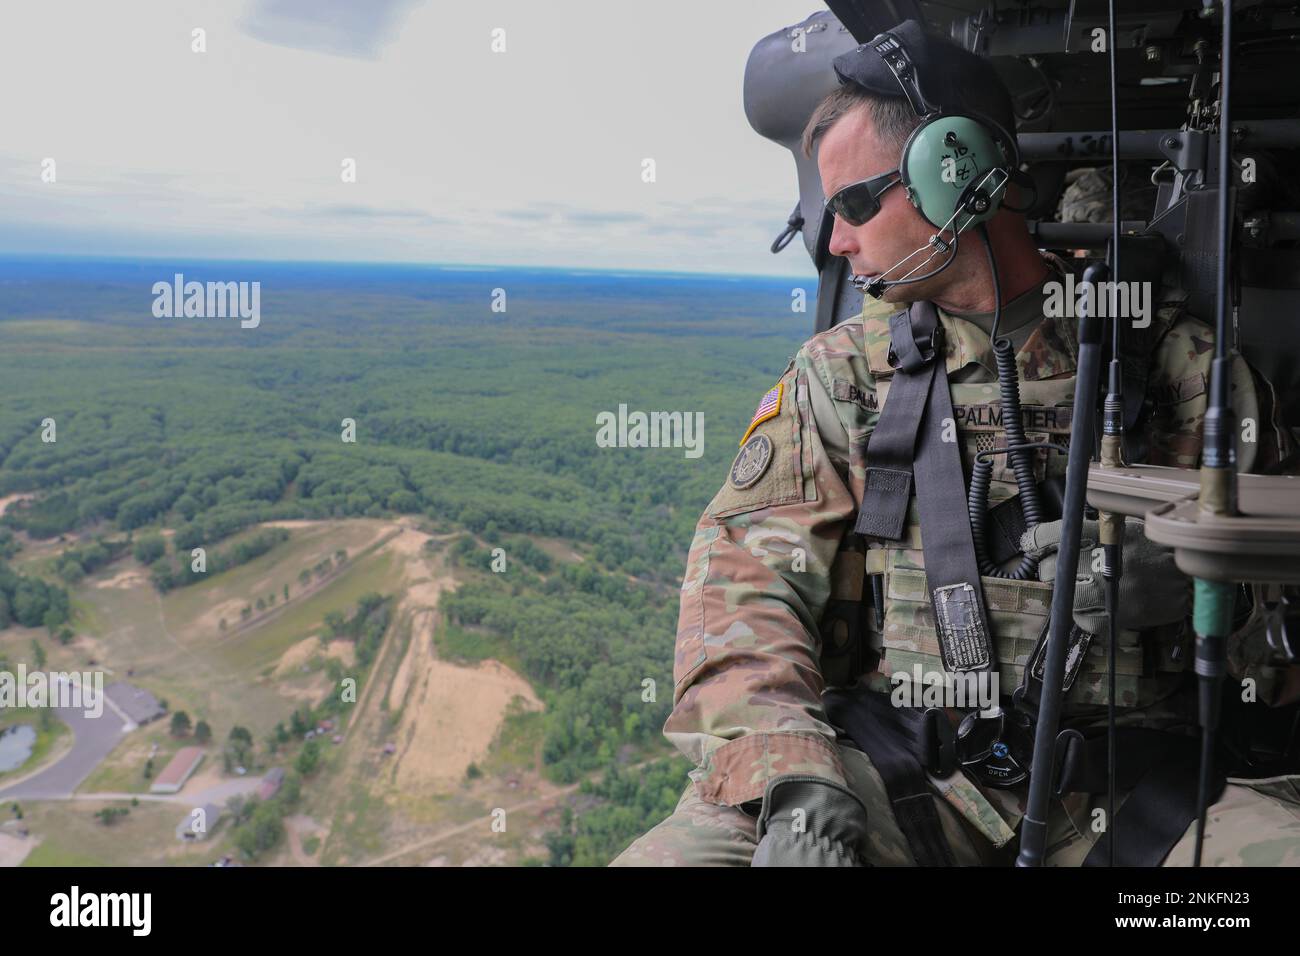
[
  {"x": 1188, "y": 387},
  {"x": 767, "y": 470}
]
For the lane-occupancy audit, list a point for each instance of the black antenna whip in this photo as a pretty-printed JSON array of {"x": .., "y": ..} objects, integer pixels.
[
  {"x": 1212, "y": 606},
  {"x": 1110, "y": 526}
]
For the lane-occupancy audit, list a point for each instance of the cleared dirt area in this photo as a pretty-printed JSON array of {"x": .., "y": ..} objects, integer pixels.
[
  {"x": 8, "y": 500},
  {"x": 295, "y": 658},
  {"x": 129, "y": 578},
  {"x": 299, "y": 828},
  {"x": 451, "y": 713}
]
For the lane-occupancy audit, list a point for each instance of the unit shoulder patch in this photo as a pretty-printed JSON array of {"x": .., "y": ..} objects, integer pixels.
[{"x": 751, "y": 463}]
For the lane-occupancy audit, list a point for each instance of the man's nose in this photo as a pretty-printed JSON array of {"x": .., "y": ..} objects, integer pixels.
[{"x": 843, "y": 241}]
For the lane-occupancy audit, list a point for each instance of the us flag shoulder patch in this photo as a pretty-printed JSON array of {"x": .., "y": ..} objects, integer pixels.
[{"x": 769, "y": 407}]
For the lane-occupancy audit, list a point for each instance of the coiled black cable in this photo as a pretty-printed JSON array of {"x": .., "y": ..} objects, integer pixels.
[{"x": 977, "y": 497}]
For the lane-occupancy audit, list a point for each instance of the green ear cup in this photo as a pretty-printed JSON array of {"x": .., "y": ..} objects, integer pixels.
[{"x": 941, "y": 160}]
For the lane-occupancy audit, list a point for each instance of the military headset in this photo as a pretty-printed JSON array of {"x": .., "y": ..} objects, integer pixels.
[{"x": 954, "y": 167}]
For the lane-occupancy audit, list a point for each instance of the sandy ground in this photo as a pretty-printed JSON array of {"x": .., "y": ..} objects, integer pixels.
[
  {"x": 451, "y": 713},
  {"x": 14, "y": 849},
  {"x": 299, "y": 655},
  {"x": 309, "y": 692},
  {"x": 298, "y": 828},
  {"x": 130, "y": 578},
  {"x": 345, "y": 651},
  {"x": 8, "y": 500}
]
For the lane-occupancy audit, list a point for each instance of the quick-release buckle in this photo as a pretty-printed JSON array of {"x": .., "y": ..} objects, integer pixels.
[
  {"x": 996, "y": 746},
  {"x": 930, "y": 346}
]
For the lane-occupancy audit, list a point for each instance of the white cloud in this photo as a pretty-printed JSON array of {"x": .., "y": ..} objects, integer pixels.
[{"x": 530, "y": 157}]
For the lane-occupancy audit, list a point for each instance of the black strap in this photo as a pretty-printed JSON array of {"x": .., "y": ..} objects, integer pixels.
[
  {"x": 908, "y": 445},
  {"x": 867, "y": 719},
  {"x": 1003, "y": 530},
  {"x": 1082, "y": 766},
  {"x": 1158, "y": 812},
  {"x": 892, "y": 447}
]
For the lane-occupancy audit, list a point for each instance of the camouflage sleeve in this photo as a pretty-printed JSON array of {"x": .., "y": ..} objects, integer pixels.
[
  {"x": 747, "y": 697},
  {"x": 1179, "y": 392}
]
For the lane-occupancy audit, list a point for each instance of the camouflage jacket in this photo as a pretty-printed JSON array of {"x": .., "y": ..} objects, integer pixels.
[{"x": 747, "y": 675}]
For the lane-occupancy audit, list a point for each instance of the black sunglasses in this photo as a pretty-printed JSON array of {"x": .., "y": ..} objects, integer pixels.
[{"x": 858, "y": 202}]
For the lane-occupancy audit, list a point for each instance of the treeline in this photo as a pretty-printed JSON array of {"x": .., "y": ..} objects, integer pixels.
[
  {"x": 168, "y": 572},
  {"x": 9, "y": 544},
  {"x": 76, "y": 562},
  {"x": 597, "y": 647},
  {"x": 633, "y": 519},
  {"x": 258, "y": 825},
  {"x": 632, "y": 800},
  {"x": 440, "y": 432},
  {"x": 366, "y": 626},
  {"x": 31, "y": 602}
]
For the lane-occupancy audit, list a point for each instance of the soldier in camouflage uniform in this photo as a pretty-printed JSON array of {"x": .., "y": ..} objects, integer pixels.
[{"x": 774, "y": 554}]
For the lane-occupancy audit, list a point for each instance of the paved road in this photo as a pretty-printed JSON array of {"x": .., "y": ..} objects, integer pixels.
[
  {"x": 93, "y": 740},
  {"x": 218, "y": 793}
]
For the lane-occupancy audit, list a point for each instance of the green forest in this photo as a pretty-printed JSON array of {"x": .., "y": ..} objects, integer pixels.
[{"x": 479, "y": 422}]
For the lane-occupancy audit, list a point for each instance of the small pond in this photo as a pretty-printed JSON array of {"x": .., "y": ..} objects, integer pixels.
[{"x": 16, "y": 745}]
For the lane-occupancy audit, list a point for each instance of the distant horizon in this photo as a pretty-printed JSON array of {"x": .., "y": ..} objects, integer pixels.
[
  {"x": 40, "y": 257},
  {"x": 395, "y": 130}
]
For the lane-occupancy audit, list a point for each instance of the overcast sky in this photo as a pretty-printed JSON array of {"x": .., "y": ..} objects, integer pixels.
[{"x": 528, "y": 157}]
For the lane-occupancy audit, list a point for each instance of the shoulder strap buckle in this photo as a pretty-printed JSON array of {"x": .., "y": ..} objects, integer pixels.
[{"x": 911, "y": 349}]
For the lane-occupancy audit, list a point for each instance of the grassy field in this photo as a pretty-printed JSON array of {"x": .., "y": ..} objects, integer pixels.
[{"x": 71, "y": 835}]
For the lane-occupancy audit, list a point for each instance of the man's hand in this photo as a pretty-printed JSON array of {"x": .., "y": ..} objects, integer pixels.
[
  {"x": 1152, "y": 591},
  {"x": 810, "y": 821}
]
